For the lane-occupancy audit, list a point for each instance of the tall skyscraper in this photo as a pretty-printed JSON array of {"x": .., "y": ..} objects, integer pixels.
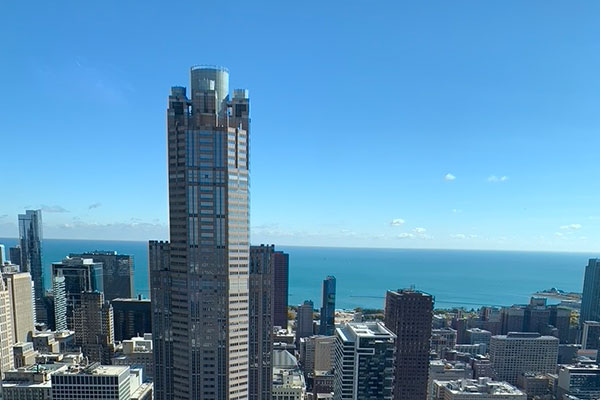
[
  {"x": 590, "y": 302},
  {"x": 21, "y": 301},
  {"x": 281, "y": 266},
  {"x": 30, "y": 238},
  {"x": 94, "y": 327},
  {"x": 260, "y": 326},
  {"x": 80, "y": 275},
  {"x": 117, "y": 273},
  {"x": 328, "y": 307},
  {"x": 14, "y": 253},
  {"x": 408, "y": 314},
  {"x": 364, "y": 362},
  {"x": 2, "y": 254},
  {"x": 6, "y": 330},
  {"x": 200, "y": 296},
  {"x": 304, "y": 320}
]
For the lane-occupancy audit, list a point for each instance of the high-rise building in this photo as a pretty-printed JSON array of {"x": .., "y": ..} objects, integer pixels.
[
  {"x": 117, "y": 273},
  {"x": 2, "y": 254},
  {"x": 260, "y": 322},
  {"x": 304, "y": 320},
  {"x": 6, "y": 330},
  {"x": 327, "y": 326},
  {"x": 560, "y": 318},
  {"x": 80, "y": 275},
  {"x": 30, "y": 239},
  {"x": 59, "y": 295},
  {"x": 281, "y": 267},
  {"x": 94, "y": 327},
  {"x": 520, "y": 352},
  {"x": 21, "y": 302},
  {"x": 15, "y": 254},
  {"x": 513, "y": 319},
  {"x": 408, "y": 314},
  {"x": 133, "y": 317},
  {"x": 201, "y": 316},
  {"x": 590, "y": 301},
  {"x": 364, "y": 362},
  {"x": 590, "y": 339},
  {"x": 581, "y": 381}
]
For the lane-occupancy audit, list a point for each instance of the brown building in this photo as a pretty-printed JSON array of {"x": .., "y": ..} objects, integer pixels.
[
  {"x": 281, "y": 265},
  {"x": 94, "y": 327},
  {"x": 408, "y": 314}
]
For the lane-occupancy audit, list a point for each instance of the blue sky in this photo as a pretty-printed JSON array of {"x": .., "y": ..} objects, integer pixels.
[{"x": 463, "y": 124}]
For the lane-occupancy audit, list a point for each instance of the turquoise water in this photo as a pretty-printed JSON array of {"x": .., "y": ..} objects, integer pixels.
[{"x": 455, "y": 277}]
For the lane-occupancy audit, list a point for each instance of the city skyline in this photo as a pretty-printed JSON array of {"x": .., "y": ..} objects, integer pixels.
[{"x": 479, "y": 141}]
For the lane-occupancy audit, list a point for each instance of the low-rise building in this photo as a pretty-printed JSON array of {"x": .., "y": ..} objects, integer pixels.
[
  {"x": 288, "y": 381},
  {"x": 443, "y": 370},
  {"x": 480, "y": 389},
  {"x": 536, "y": 386},
  {"x": 582, "y": 381},
  {"x": 24, "y": 354},
  {"x": 137, "y": 352},
  {"x": 30, "y": 383},
  {"x": 92, "y": 382}
]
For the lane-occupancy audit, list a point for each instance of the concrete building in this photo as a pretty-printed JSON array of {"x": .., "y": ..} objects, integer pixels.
[
  {"x": 281, "y": 266},
  {"x": 260, "y": 322},
  {"x": 30, "y": 241},
  {"x": 442, "y": 340},
  {"x": 98, "y": 382},
  {"x": 443, "y": 370},
  {"x": 6, "y": 330},
  {"x": 520, "y": 352},
  {"x": 536, "y": 386},
  {"x": 327, "y": 326},
  {"x": 80, "y": 275},
  {"x": 288, "y": 381},
  {"x": 513, "y": 319},
  {"x": 199, "y": 281},
  {"x": 24, "y": 354},
  {"x": 317, "y": 353},
  {"x": 479, "y": 336},
  {"x": 364, "y": 362},
  {"x": 480, "y": 389},
  {"x": 590, "y": 301},
  {"x": 31, "y": 382},
  {"x": 117, "y": 273},
  {"x": 94, "y": 327},
  {"x": 45, "y": 342},
  {"x": 3, "y": 255},
  {"x": 133, "y": 317},
  {"x": 21, "y": 303},
  {"x": 137, "y": 351},
  {"x": 408, "y": 314},
  {"x": 582, "y": 381},
  {"x": 15, "y": 255},
  {"x": 304, "y": 320}
]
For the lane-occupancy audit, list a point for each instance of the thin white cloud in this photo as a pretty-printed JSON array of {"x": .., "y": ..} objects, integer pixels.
[
  {"x": 449, "y": 177},
  {"x": 494, "y": 178},
  {"x": 456, "y": 211},
  {"x": 95, "y": 205},
  {"x": 397, "y": 222},
  {"x": 53, "y": 209},
  {"x": 405, "y": 235},
  {"x": 419, "y": 230},
  {"x": 571, "y": 227},
  {"x": 458, "y": 236}
]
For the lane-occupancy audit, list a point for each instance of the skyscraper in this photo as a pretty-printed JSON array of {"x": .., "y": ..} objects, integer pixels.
[
  {"x": 590, "y": 302},
  {"x": 133, "y": 317},
  {"x": 304, "y": 320},
  {"x": 2, "y": 254},
  {"x": 281, "y": 266},
  {"x": 21, "y": 301},
  {"x": 117, "y": 273},
  {"x": 328, "y": 307},
  {"x": 200, "y": 289},
  {"x": 14, "y": 253},
  {"x": 408, "y": 314},
  {"x": 30, "y": 238},
  {"x": 260, "y": 322},
  {"x": 6, "y": 330},
  {"x": 94, "y": 327},
  {"x": 364, "y": 362},
  {"x": 81, "y": 275}
]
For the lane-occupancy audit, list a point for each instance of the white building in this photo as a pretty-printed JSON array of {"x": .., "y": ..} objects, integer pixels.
[
  {"x": 288, "y": 381},
  {"x": 519, "y": 352},
  {"x": 364, "y": 361},
  {"x": 480, "y": 389},
  {"x": 137, "y": 351},
  {"x": 98, "y": 382},
  {"x": 442, "y": 370},
  {"x": 30, "y": 383}
]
